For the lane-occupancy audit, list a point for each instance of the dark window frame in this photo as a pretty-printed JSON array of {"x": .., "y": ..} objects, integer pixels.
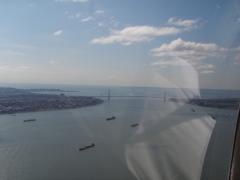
[{"x": 235, "y": 162}]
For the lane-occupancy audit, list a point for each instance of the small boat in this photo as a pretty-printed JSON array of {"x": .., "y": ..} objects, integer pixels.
[
  {"x": 134, "y": 125},
  {"x": 111, "y": 118},
  {"x": 193, "y": 110},
  {"x": 213, "y": 117},
  {"x": 29, "y": 120},
  {"x": 87, "y": 147}
]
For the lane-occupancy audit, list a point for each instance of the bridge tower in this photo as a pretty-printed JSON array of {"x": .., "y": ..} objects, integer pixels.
[
  {"x": 165, "y": 97},
  {"x": 109, "y": 95}
]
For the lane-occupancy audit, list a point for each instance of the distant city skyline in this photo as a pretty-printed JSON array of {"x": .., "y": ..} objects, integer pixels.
[{"x": 163, "y": 43}]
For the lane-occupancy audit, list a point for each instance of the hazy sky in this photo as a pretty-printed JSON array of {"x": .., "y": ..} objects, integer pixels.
[{"x": 181, "y": 43}]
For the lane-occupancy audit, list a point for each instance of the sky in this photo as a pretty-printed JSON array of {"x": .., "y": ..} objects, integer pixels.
[{"x": 163, "y": 43}]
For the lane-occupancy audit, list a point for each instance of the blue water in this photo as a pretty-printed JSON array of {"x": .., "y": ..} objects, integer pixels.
[{"x": 47, "y": 149}]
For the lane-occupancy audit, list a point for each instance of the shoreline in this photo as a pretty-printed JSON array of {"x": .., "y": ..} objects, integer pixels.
[
  {"x": 21, "y": 103},
  {"x": 49, "y": 110}
]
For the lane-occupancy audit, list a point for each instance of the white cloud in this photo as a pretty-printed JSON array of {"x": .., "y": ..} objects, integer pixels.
[
  {"x": 187, "y": 50},
  {"x": 100, "y": 24},
  {"x": 172, "y": 62},
  {"x": 99, "y": 11},
  {"x": 12, "y": 69},
  {"x": 133, "y": 34},
  {"x": 193, "y": 53},
  {"x": 207, "y": 71},
  {"x": 206, "y": 68},
  {"x": 112, "y": 22},
  {"x": 71, "y": 15},
  {"x": 11, "y": 52},
  {"x": 97, "y": 17},
  {"x": 20, "y": 51},
  {"x": 58, "y": 32},
  {"x": 187, "y": 23},
  {"x": 106, "y": 21},
  {"x": 87, "y": 19},
  {"x": 237, "y": 58},
  {"x": 73, "y": 1}
]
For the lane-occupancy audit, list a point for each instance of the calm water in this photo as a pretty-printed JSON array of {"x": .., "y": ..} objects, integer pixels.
[{"x": 47, "y": 149}]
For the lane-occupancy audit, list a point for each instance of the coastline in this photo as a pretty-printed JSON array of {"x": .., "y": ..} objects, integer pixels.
[{"x": 32, "y": 102}]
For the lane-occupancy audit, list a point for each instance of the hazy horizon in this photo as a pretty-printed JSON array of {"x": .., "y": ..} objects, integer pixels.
[{"x": 59, "y": 86}]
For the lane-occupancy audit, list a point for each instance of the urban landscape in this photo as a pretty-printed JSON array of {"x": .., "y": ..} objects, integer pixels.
[{"x": 20, "y": 100}]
